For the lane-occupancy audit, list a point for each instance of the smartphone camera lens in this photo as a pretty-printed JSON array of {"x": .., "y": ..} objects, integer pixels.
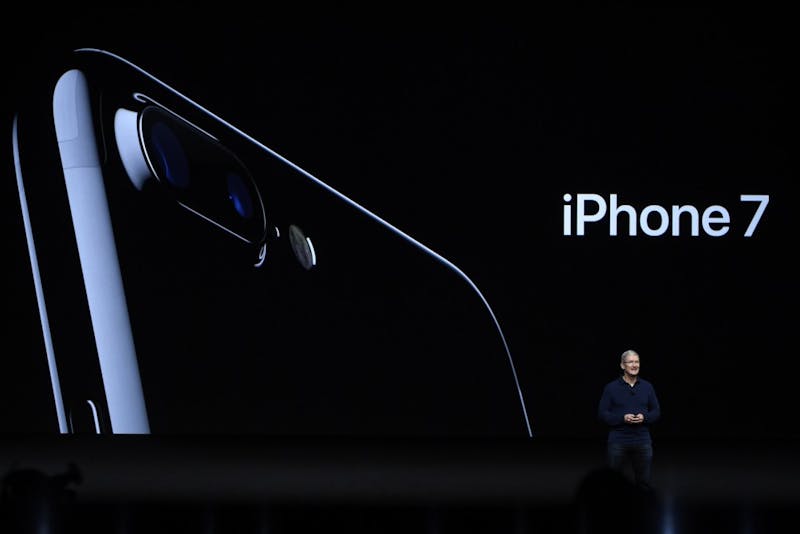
[
  {"x": 169, "y": 155},
  {"x": 198, "y": 172},
  {"x": 239, "y": 195}
]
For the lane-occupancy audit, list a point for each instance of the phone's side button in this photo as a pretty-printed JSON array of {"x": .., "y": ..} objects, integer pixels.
[{"x": 84, "y": 419}]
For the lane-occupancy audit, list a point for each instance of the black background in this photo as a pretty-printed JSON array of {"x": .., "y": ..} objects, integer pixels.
[{"x": 466, "y": 132}]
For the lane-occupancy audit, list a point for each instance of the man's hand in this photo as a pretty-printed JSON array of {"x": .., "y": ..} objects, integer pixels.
[{"x": 633, "y": 418}]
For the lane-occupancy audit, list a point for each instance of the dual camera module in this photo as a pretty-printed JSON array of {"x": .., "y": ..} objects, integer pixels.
[{"x": 201, "y": 174}]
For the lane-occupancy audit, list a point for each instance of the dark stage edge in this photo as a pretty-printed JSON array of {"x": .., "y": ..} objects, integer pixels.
[{"x": 373, "y": 471}]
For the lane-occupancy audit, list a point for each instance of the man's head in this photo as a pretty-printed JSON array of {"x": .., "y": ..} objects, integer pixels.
[{"x": 629, "y": 362}]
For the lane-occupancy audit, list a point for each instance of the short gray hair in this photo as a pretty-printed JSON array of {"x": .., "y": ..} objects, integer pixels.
[{"x": 629, "y": 352}]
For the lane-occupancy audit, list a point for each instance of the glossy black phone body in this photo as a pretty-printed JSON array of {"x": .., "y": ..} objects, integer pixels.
[{"x": 360, "y": 330}]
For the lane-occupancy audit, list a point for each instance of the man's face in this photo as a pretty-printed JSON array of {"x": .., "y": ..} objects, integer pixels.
[{"x": 631, "y": 365}]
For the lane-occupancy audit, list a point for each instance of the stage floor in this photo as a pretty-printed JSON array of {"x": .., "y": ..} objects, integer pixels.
[{"x": 408, "y": 486}]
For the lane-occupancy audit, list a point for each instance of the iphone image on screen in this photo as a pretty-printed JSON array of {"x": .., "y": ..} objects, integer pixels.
[{"x": 190, "y": 280}]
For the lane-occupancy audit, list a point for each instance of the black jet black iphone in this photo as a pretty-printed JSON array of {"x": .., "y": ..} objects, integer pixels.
[{"x": 190, "y": 280}]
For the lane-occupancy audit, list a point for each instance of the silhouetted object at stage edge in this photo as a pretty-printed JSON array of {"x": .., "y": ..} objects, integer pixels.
[
  {"x": 36, "y": 503},
  {"x": 607, "y": 501}
]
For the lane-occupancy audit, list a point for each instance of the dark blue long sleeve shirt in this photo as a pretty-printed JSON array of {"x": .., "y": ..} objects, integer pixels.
[{"x": 619, "y": 398}]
